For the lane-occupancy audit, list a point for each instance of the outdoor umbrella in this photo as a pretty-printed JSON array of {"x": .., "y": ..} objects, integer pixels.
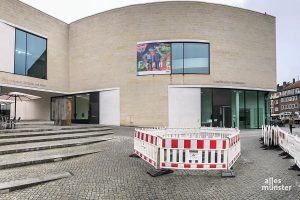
[{"x": 18, "y": 96}]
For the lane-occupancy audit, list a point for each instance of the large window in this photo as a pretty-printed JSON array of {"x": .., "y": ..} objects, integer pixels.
[
  {"x": 261, "y": 108},
  {"x": 85, "y": 107},
  {"x": 190, "y": 58},
  {"x": 30, "y": 55},
  {"x": 20, "y": 53},
  {"x": 82, "y": 108},
  {"x": 234, "y": 108},
  {"x": 206, "y": 107},
  {"x": 251, "y": 109},
  {"x": 173, "y": 58},
  {"x": 177, "y": 58}
]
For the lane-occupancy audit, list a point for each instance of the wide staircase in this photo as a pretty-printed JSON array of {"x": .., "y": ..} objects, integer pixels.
[{"x": 38, "y": 143}]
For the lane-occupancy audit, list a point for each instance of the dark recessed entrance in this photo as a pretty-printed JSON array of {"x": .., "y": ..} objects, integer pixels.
[{"x": 221, "y": 108}]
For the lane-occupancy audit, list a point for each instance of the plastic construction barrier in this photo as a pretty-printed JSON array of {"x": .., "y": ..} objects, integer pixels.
[
  {"x": 283, "y": 140},
  {"x": 270, "y": 135},
  {"x": 197, "y": 149},
  {"x": 273, "y": 136},
  {"x": 294, "y": 148}
]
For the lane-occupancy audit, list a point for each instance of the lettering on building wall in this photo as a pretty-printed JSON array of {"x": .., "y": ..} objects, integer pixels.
[
  {"x": 23, "y": 83},
  {"x": 230, "y": 82}
]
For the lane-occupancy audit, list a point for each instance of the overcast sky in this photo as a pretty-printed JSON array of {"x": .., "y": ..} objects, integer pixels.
[{"x": 287, "y": 13}]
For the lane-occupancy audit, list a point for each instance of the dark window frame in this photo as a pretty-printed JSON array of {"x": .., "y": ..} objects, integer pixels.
[
  {"x": 183, "y": 44},
  {"x": 27, "y": 32}
]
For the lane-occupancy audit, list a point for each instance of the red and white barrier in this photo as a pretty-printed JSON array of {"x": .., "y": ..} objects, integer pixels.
[
  {"x": 146, "y": 147},
  {"x": 202, "y": 149},
  {"x": 193, "y": 153},
  {"x": 234, "y": 150},
  {"x": 274, "y": 136}
]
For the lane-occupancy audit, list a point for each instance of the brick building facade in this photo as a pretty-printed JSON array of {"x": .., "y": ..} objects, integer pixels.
[{"x": 286, "y": 99}]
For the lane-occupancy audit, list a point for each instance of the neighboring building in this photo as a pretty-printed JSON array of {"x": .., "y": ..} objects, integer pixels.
[
  {"x": 144, "y": 65},
  {"x": 286, "y": 100}
]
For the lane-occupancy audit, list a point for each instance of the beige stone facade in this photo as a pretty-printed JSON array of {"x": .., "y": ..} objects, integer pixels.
[
  {"x": 100, "y": 51},
  {"x": 32, "y": 20}
]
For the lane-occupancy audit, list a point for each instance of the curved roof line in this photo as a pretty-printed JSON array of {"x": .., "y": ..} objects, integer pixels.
[
  {"x": 139, "y": 4},
  {"x": 164, "y": 1}
]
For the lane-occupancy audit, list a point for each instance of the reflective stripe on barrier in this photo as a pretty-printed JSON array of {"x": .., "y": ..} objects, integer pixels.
[
  {"x": 203, "y": 148},
  {"x": 194, "y": 153}
]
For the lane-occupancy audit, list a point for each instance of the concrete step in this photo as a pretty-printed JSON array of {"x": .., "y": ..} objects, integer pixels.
[
  {"x": 27, "y": 182},
  {"x": 56, "y": 132},
  {"x": 44, "y": 156},
  {"x": 33, "y": 123},
  {"x": 50, "y": 128},
  {"x": 19, "y": 148},
  {"x": 81, "y": 126},
  {"x": 67, "y": 136},
  {"x": 22, "y": 130}
]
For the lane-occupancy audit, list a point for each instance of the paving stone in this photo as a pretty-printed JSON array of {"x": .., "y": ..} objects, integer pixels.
[
  {"x": 111, "y": 174},
  {"x": 17, "y": 184}
]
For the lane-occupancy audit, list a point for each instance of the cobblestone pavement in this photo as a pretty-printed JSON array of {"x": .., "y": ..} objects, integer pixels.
[{"x": 113, "y": 175}]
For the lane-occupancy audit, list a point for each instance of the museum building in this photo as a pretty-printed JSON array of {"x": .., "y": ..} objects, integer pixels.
[{"x": 176, "y": 64}]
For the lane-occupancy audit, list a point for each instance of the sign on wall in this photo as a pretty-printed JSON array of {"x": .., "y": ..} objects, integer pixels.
[{"x": 153, "y": 58}]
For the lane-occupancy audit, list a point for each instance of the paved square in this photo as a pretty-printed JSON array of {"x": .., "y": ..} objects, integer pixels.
[{"x": 113, "y": 175}]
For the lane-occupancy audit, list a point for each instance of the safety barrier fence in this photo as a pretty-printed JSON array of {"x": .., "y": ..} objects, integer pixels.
[
  {"x": 273, "y": 136},
  {"x": 201, "y": 149}
]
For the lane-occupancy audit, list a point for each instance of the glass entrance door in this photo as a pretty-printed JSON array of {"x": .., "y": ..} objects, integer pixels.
[
  {"x": 225, "y": 113},
  {"x": 222, "y": 108}
]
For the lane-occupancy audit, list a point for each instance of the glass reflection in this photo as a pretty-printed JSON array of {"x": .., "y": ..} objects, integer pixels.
[
  {"x": 30, "y": 55},
  {"x": 36, "y": 65},
  {"x": 177, "y": 58},
  {"x": 20, "y": 52},
  {"x": 196, "y": 58}
]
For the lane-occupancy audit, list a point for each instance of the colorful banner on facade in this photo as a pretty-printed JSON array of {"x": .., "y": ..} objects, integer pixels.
[{"x": 153, "y": 58}]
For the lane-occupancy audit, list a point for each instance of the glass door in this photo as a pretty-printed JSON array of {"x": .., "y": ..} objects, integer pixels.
[{"x": 222, "y": 108}]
